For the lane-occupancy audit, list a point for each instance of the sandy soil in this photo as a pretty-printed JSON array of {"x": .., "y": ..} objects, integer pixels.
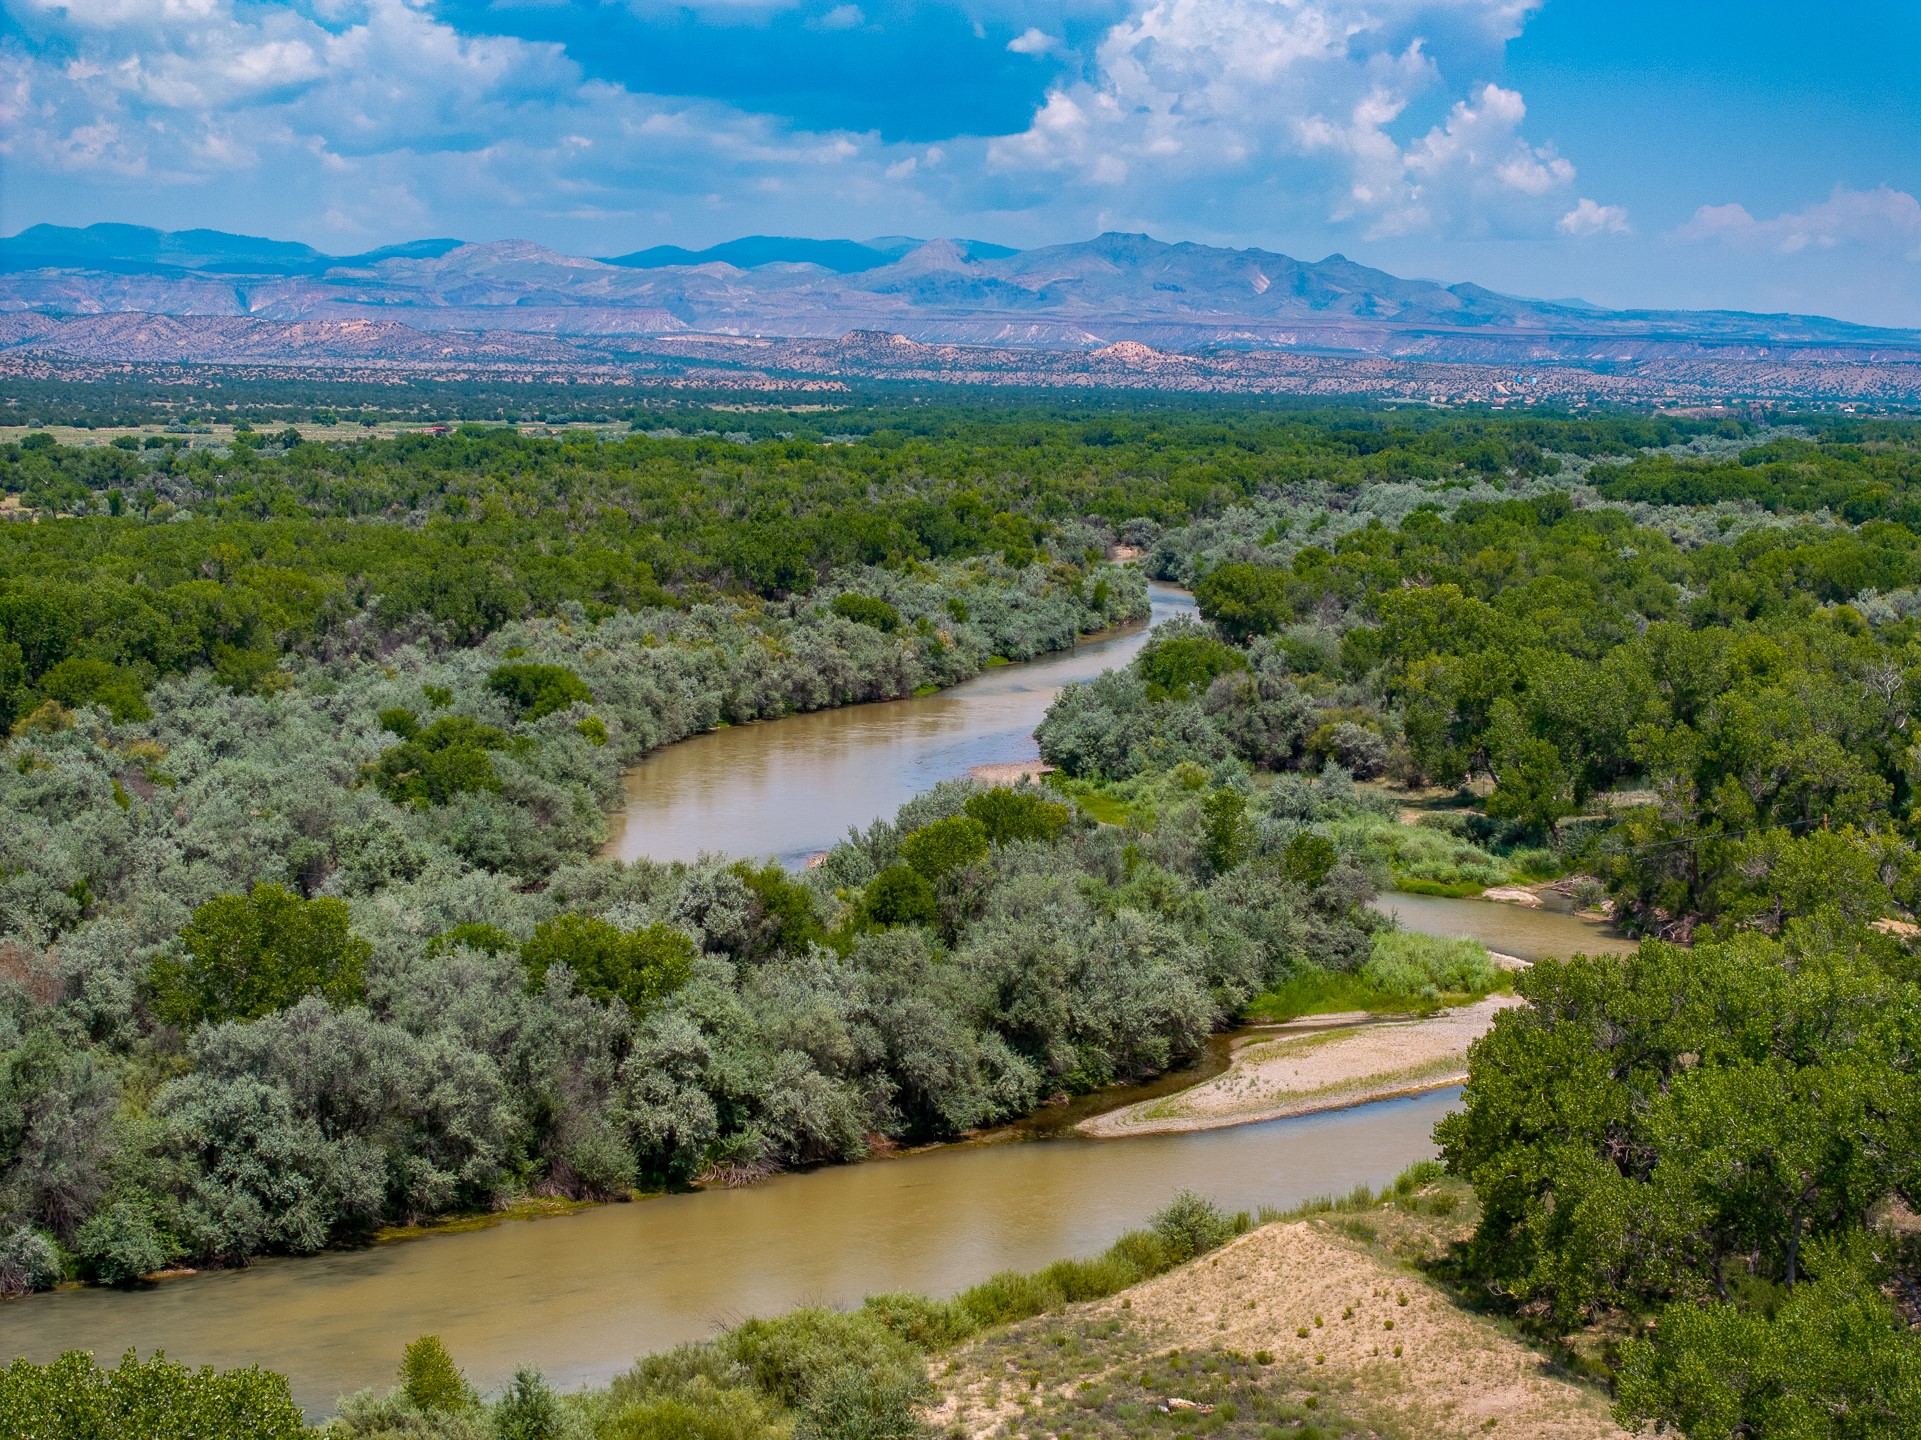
[
  {"x": 1393, "y": 1349},
  {"x": 1455, "y": 1373},
  {"x": 1298, "y": 1074},
  {"x": 1012, "y": 773}
]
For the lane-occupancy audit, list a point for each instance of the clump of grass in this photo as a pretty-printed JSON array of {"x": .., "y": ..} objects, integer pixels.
[
  {"x": 1429, "y": 966},
  {"x": 1424, "y": 859},
  {"x": 1406, "y": 972},
  {"x": 1322, "y": 992},
  {"x": 1188, "y": 1226}
]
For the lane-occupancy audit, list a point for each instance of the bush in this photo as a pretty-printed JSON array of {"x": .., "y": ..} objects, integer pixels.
[
  {"x": 435, "y": 763},
  {"x": 529, "y": 1410},
  {"x": 430, "y": 1380},
  {"x": 1407, "y": 963},
  {"x": 846, "y": 1377},
  {"x": 866, "y": 610},
  {"x": 121, "y": 1243},
  {"x": 474, "y": 935},
  {"x": 1191, "y": 1225},
  {"x": 946, "y": 845},
  {"x": 921, "y": 1322},
  {"x": 73, "y": 1399},
  {"x": 636, "y": 968},
  {"x": 1011, "y": 815},
  {"x": 716, "y": 1415},
  {"x": 901, "y": 896},
  {"x": 249, "y": 955},
  {"x": 1184, "y": 661},
  {"x": 29, "y": 1260},
  {"x": 538, "y": 690}
]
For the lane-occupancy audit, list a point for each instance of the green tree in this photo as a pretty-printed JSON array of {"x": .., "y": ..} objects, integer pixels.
[
  {"x": 1227, "y": 835},
  {"x": 1178, "y": 665},
  {"x": 538, "y": 690},
  {"x": 438, "y": 761},
  {"x": 1831, "y": 1362},
  {"x": 529, "y": 1410},
  {"x": 785, "y": 920},
  {"x": 77, "y": 681},
  {"x": 901, "y": 895},
  {"x": 636, "y": 967},
  {"x": 430, "y": 1380},
  {"x": 867, "y": 610},
  {"x": 1010, "y": 815},
  {"x": 244, "y": 956},
  {"x": 944, "y": 846},
  {"x": 1245, "y": 600}
]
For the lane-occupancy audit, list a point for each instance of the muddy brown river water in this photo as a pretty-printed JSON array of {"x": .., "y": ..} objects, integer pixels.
[
  {"x": 791, "y": 788},
  {"x": 581, "y": 1295}
]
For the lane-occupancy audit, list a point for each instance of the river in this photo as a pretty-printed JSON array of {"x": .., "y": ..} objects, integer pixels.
[
  {"x": 788, "y": 789},
  {"x": 581, "y": 1295}
]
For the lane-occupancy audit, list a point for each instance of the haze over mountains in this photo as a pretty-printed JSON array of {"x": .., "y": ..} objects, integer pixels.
[{"x": 234, "y": 297}]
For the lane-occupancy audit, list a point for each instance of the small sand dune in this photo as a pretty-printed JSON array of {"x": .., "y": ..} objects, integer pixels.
[
  {"x": 1329, "y": 1315},
  {"x": 1322, "y": 1070},
  {"x": 1439, "y": 1371}
]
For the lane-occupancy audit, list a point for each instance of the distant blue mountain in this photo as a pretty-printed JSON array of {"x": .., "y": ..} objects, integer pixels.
[
  {"x": 843, "y": 257},
  {"x": 139, "y": 249}
]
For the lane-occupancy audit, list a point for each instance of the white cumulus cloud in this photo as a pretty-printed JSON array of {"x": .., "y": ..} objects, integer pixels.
[
  {"x": 1882, "y": 219},
  {"x": 375, "y": 113},
  {"x": 1033, "y": 41},
  {"x": 1591, "y": 218},
  {"x": 1305, "y": 99}
]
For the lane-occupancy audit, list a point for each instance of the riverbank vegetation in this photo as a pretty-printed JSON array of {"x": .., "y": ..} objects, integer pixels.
[
  {"x": 1708, "y": 1149},
  {"x": 310, "y": 749},
  {"x": 1405, "y": 972},
  {"x": 831, "y": 1375},
  {"x": 1315, "y": 1323}
]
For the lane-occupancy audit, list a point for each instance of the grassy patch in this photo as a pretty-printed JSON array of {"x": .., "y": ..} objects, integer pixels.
[
  {"x": 1422, "y": 856},
  {"x": 1459, "y": 890},
  {"x": 1097, "y": 802},
  {"x": 1317, "y": 992},
  {"x": 1079, "y": 1378}
]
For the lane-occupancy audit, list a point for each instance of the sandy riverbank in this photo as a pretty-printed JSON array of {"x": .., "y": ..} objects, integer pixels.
[
  {"x": 1014, "y": 772},
  {"x": 1319, "y": 1069}
]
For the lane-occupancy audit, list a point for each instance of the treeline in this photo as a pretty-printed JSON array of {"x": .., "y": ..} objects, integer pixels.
[
  {"x": 173, "y": 559},
  {"x": 1710, "y": 1149},
  {"x": 1714, "y": 1150},
  {"x": 1741, "y": 702},
  {"x": 1861, "y": 470}
]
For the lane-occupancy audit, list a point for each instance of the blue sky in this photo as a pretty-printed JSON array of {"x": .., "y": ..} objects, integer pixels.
[{"x": 1703, "y": 153}]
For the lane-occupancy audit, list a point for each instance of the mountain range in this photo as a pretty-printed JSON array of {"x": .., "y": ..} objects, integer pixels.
[{"x": 1117, "y": 288}]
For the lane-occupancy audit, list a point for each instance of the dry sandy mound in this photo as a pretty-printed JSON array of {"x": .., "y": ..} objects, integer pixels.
[
  {"x": 1298, "y": 1074},
  {"x": 1455, "y": 1375},
  {"x": 1438, "y": 1372}
]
